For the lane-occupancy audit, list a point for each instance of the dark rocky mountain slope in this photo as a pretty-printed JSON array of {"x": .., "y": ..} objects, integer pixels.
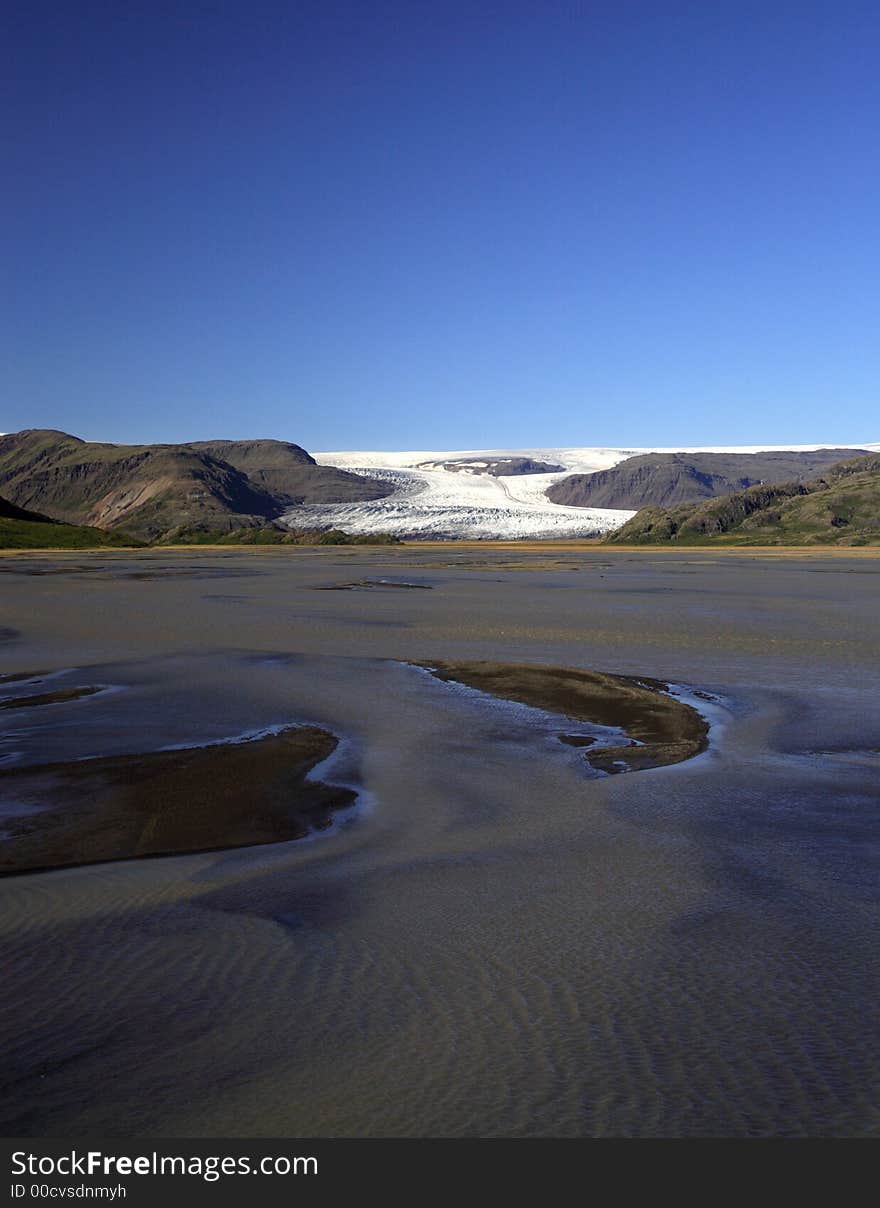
[
  {"x": 667, "y": 479},
  {"x": 8, "y": 511},
  {"x": 149, "y": 489},
  {"x": 290, "y": 474},
  {"x": 842, "y": 507}
]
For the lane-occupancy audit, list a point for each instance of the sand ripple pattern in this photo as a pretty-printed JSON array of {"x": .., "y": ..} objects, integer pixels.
[{"x": 502, "y": 945}]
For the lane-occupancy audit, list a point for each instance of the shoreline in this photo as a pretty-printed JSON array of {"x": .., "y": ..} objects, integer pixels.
[{"x": 531, "y": 546}]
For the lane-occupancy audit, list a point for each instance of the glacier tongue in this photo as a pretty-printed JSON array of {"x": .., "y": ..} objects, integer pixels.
[
  {"x": 432, "y": 501},
  {"x": 443, "y": 504}
]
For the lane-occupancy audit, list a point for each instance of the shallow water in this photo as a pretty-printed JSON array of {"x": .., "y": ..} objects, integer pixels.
[{"x": 498, "y": 942}]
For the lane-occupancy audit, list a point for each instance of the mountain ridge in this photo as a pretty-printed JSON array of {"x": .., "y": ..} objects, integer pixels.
[
  {"x": 669, "y": 479},
  {"x": 841, "y": 507},
  {"x": 150, "y": 489},
  {"x": 261, "y": 485}
]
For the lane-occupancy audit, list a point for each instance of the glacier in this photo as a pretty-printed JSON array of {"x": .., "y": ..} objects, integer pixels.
[{"x": 431, "y": 501}]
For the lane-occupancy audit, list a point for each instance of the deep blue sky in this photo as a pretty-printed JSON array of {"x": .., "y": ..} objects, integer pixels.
[{"x": 441, "y": 225}]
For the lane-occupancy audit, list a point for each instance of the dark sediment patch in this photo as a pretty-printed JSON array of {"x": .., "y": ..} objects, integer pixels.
[
  {"x": 208, "y": 798},
  {"x": 18, "y": 676},
  {"x": 368, "y": 584},
  {"x": 269, "y": 658},
  {"x": 14, "y": 569},
  {"x": 117, "y": 573},
  {"x": 362, "y": 622},
  {"x": 8, "y": 634},
  {"x": 577, "y": 740},
  {"x": 535, "y": 562},
  {"x": 661, "y": 729},
  {"x": 195, "y": 572},
  {"x": 866, "y": 757},
  {"x": 61, "y": 697}
]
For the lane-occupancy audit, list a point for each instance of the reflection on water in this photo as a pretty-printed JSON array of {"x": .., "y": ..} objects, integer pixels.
[{"x": 504, "y": 943}]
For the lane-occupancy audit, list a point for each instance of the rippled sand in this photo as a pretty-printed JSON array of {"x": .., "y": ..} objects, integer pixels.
[{"x": 499, "y": 941}]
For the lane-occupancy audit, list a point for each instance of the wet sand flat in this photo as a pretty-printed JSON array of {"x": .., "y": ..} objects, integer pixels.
[{"x": 496, "y": 940}]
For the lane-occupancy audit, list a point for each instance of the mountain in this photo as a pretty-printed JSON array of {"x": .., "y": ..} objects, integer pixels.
[
  {"x": 842, "y": 507},
  {"x": 21, "y": 529},
  {"x": 667, "y": 479},
  {"x": 217, "y": 487},
  {"x": 289, "y": 474},
  {"x": 150, "y": 489}
]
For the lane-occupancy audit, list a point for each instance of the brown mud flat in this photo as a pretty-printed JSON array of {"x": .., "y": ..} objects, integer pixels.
[
  {"x": 663, "y": 730},
  {"x": 60, "y": 697},
  {"x": 163, "y": 803}
]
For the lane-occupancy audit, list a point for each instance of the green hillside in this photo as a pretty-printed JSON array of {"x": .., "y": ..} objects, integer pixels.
[
  {"x": 21, "y": 529},
  {"x": 150, "y": 489},
  {"x": 272, "y": 535},
  {"x": 840, "y": 508},
  {"x": 669, "y": 480}
]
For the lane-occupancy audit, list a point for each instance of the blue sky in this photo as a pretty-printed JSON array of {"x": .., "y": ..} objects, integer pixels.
[{"x": 442, "y": 225}]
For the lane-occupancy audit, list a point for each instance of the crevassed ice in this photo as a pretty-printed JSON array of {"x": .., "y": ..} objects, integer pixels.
[{"x": 430, "y": 501}]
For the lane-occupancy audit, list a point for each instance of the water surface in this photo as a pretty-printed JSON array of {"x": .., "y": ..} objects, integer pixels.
[{"x": 499, "y": 942}]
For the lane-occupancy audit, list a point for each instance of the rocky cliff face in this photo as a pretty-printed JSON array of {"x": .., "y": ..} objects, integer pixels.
[
  {"x": 149, "y": 489},
  {"x": 668, "y": 479}
]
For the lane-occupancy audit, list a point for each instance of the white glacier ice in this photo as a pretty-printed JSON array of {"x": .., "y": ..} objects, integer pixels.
[{"x": 430, "y": 501}]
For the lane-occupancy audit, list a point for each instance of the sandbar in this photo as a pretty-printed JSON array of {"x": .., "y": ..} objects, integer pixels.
[
  {"x": 662, "y": 729},
  {"x": 168, "y": 802}
]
